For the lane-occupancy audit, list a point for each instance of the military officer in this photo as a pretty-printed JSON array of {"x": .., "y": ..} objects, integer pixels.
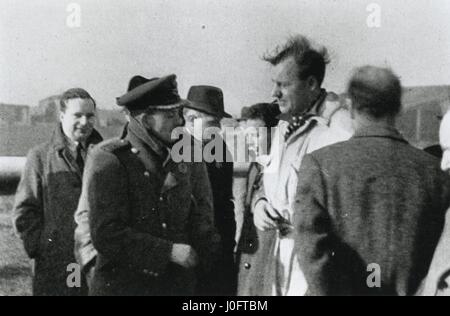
[{"x": 151, "y": 219}]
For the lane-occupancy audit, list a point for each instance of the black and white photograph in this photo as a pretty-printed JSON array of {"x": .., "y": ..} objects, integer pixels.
[{"x": 224, "y": 152}]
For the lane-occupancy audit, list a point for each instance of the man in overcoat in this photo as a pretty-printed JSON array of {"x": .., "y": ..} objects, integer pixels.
[
  {"x": 151, "y": 219},
  {"x": 48, "y": 194},
  {"x": 311, "y": 118},
  {"x": 369, "y": 211},
  {"x": 206, "y": 106}
]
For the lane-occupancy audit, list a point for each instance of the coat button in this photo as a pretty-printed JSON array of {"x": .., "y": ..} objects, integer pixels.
[
  {"x": 147, "y": 174},
  {"x": 146, "y": 271},
  {"x": 161, "y": 198},
  {"x": 250, "y": 245},
  {"x": 164, "y": 225},
  {"x": 247, "y": 265},
  {"x": 134, "y": 150}
]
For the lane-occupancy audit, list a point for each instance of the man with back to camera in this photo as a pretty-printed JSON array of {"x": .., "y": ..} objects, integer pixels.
[{"x": 373, "y": 203}]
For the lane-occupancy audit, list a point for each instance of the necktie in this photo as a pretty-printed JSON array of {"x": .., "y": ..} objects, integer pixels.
[{"x": 80, "y": 157}]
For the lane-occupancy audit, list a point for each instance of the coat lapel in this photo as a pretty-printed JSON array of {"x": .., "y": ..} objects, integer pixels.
[
  {"x": 155, "y": 157},
  {"x": 62, "y": 148},
  {"x": 70, "y": 161}
]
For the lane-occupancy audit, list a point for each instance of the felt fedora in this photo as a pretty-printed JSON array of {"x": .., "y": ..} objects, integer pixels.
[{"x": 207, "y": 99}]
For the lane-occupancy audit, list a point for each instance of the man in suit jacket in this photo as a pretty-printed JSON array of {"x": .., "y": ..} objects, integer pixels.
[
  {"x": 151, "y": 218},
  {"x": 369, "y": 211},
  {"x": 48, "y": 193}
]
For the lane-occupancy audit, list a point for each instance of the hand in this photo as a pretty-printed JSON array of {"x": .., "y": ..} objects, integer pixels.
[
  {"x": 184, "y": 255},
  {"x": 265, "y": 217}
]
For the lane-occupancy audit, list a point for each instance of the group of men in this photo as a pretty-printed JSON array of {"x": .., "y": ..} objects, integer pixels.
[{"x": 340, "y": 191}]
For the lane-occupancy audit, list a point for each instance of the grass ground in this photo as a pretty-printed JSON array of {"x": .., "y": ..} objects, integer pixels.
[{"x": 15, "y": 267}]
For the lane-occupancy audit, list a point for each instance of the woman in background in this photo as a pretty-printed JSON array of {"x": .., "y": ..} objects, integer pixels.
[{"x": 259, "y": 120}]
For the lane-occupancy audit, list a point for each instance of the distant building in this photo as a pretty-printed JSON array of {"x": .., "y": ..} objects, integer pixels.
[
  {"x": 47, "y": 111},
  {"x": 423, "y": 108},
  {"x": 107, "y": 118},
  {"x": 14, "y": 114}
]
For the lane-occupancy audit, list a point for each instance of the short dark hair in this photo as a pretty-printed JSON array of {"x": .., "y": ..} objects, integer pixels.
[
  {"x": 267, "y": 112},
  {"x": 310, "y": 58},
  {"x": 74, "y": 93},
  {"x": 375, "y": 91}
]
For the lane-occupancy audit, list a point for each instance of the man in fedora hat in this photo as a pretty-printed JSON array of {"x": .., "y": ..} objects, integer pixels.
[
  {"x": 207, "y": 107},
  {"x": 150, "y": 218}
]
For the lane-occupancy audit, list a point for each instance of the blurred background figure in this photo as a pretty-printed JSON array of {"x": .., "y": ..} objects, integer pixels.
[
  {"x": 444, "y": 139},
  {"x": 435, "y": 150},
  {"x": 259, "y": 120},
  {"x": 438, "y": 278},
  {"x": 250, "y": 260}
]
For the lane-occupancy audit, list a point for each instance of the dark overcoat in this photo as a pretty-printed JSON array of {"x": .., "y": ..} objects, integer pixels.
[
  {"x": 222, "y": 279},
  {"x": 368, "y": 215},
  {"x": 140, "y": 204},
  {"x": 46, "y": 200}
]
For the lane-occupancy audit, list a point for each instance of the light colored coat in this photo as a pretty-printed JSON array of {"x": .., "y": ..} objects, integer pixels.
[
  {"x": 331, "y": 125},
  {"x": 439, "y": 273}
]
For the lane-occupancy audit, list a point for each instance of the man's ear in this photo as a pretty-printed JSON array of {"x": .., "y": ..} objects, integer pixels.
[
  {"x": 147, "y": 120},
  {"x": 312, "y": 83},
  {"x": 61, "y": 116}
]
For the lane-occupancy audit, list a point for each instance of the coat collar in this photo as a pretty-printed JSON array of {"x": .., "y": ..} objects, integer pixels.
[
  {"x": 60, "y": 140},
  {"x": 146, "y": 146},
  {"x": 138, "y": 134},
  {"x": 64, "y": 147},
  {"x": 385, "y": 132},
  {"x": 316, "y": 109}
]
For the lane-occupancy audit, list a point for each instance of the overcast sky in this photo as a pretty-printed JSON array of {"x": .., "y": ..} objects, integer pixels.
[{"x": 216, "y": 42}]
